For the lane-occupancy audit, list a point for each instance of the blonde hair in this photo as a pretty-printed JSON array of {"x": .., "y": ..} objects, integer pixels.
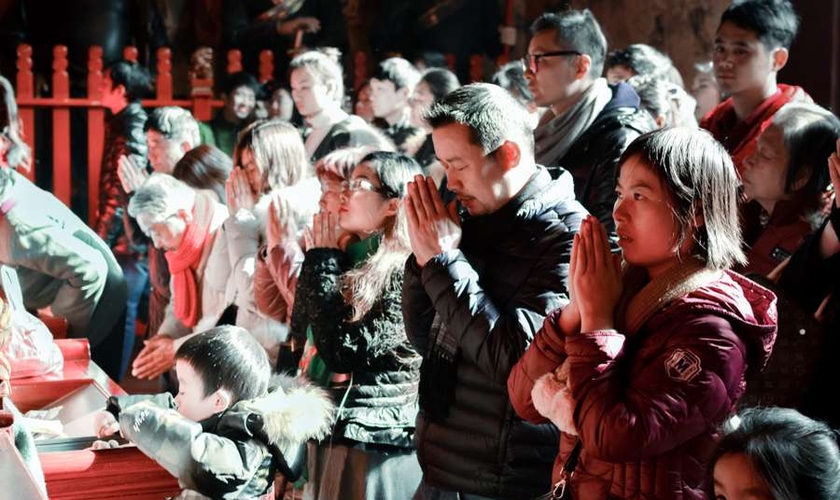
[
  {"x": 278, "y": 152},
  {"x": 363, "y": 285}
]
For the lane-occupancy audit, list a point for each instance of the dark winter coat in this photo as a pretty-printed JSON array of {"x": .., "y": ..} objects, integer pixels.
[
  {"x": 381, "y": 404},
  {"x": 646, "y": 406},
  {"x": 492, "y": 294},
  {"x": 593, "y": 158}
]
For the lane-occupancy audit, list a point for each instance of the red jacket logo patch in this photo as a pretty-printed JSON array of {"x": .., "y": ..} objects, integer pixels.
[{"x": 682, "y": 365}]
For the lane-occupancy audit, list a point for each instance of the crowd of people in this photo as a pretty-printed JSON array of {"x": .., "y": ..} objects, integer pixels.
[{"x": 574, "y": 282}]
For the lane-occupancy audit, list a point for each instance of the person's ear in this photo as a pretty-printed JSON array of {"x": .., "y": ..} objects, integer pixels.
[
  {"x": 699, "y": 219},
  {"x": 392, "y": 207},
  {"x": 508, "y": 155},
  {"x": 403, "y": 94},
  {"x": 185, "y": 215},
  {"x": 802, "y": 178},
  {"x": 780, "y": 58},
  {"x": 582, "y": 64},
  {"x": 120, "y": 90},
  {"x": 186, "y": 147},
  {"x": 222, "y": 400}
]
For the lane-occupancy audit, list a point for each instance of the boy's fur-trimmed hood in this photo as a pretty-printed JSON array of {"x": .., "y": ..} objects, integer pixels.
[{"x": 293, "y": 412}]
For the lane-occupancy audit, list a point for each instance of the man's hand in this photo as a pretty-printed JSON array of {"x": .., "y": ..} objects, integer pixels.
[
  {"x": 131, "y": 175},
  {"x": 432, "y": 228},
  {"x": 238, "y": 191},
  {"x": 305, "y": 24},
  {"x": 157, "y": 356}
]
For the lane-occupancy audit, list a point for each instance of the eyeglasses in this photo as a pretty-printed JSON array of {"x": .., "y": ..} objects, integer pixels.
[
  {"x": 362, "y": 184},
  {"x": 532, "y": 61}
]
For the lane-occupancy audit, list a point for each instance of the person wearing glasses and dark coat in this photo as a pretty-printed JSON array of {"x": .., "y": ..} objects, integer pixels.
[{"x": 589, "y": 123}]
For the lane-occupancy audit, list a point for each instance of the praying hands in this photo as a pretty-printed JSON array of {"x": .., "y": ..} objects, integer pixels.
[{"x": 432, "y": 228}]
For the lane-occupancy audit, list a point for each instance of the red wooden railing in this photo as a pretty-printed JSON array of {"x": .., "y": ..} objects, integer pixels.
[{"x": 200, "y": 102}]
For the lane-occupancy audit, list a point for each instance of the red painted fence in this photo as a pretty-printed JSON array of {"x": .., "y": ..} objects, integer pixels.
[{"x": 200, "y": 102}]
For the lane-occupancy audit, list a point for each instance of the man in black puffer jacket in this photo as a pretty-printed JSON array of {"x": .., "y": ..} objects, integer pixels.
[
  {"x": 589, "y": 123},
  {"x": 476, "y": 291}
]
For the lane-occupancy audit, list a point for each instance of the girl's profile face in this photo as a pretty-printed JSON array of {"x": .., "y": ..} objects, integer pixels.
[
  {"x": 252, "y": 170},
  {"x": 364, "y": 206},
  {"x": 645, "y": 224},
  {"x": 736, "y": 479}
]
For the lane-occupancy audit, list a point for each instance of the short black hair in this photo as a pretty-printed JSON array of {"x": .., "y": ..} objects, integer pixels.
[
  {"x": 489, "y": 111},
  {"x": 774, "y": 22},
  {"x": 642, "y": 60},
  {"x": 239, "y": 79},
  {"x": 441, "y": 82},
  {"x": 133, "y": 77},
  {"x": 576, "y": 30},
  {"x": 228, "y": 357},
  {"x": 511, "y": 77},
  {"x": 397, "y": 71},
  {"x": 795, "y": 456}
]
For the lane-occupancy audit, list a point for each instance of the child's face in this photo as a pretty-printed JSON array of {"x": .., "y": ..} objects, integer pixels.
[
  {"x": 645, "y": 224},
  {"x": 191, "y": 401},
  {"x": 736, "y": 479},
  {"x": 765, "y": 170},
  {"x": 741, "y": 61}
]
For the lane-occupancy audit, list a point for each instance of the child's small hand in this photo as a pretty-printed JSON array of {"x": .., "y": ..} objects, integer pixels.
[
  {"x": 105, "y": 424},
  {"x": 104, "y": 445}
]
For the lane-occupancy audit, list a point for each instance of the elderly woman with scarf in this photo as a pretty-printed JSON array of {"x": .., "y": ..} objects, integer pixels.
[{"x": 185, "y": 223}]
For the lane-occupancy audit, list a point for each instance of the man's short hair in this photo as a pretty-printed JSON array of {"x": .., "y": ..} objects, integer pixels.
[
  {"x": 175, "y": 124},
  {"x": 576, "y": 30},
  {"x": 239, "y": 79},
  {"x": 133, "y": 77},
  {"x": 397, "y": 71},
  {"x": 161, "y": 197},
  {"x": 325, "y": 67},
  {"x": 491, "y": 113},
  {"x": 774, "y": 22},
  {"x": 228, "y": 357}
]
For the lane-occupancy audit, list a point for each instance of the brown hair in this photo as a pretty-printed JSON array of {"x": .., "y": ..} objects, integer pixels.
[{"x": 278, "y": 152}]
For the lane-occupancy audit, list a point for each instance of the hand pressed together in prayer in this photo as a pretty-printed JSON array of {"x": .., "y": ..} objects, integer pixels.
[
  {"x": 432, "y": 228},
  {"x": 325, "y": 232},
  {"x": 131, "y": 175},
  {"x": 157, "y": 356},
  {"x": 238, "y": 191},
  {"x": 281, "y": 224},
  {"x": 595, "y": 277}
]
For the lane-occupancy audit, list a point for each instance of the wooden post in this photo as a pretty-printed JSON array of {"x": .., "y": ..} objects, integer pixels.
[
  {"x": 96, "y": 130},
  {"x": 450, "y": 62},
  {"x": 234, "y": 61},
  {"x": 201, "y": 83},
  {"x": 266, "y": 66},
  {"x": 164, "y": 74},
  {"x": 61, "y": 126},
  {"x": 25, "y": 91},
  {"x": 360, "y": 69}
]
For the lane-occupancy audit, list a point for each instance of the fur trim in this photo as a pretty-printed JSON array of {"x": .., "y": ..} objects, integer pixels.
[
  {"x": 553, "y": 399},
  {"x": 294, "y": 411}
]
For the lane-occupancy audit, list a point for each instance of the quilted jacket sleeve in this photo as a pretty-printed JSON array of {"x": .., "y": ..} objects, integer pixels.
[
  {"x": 346, "y": 346},
  {"x": 665, "y": 401}
]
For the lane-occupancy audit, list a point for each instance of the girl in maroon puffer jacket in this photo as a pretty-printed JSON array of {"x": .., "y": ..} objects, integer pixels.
[{"x": 650, "y": 355}]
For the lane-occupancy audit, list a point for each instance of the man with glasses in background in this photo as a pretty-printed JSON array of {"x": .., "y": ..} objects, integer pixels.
[{"x": 588, "y": 123}]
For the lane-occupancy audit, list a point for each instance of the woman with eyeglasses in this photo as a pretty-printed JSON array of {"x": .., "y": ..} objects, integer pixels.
[{"x": 351, "y": 304}]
